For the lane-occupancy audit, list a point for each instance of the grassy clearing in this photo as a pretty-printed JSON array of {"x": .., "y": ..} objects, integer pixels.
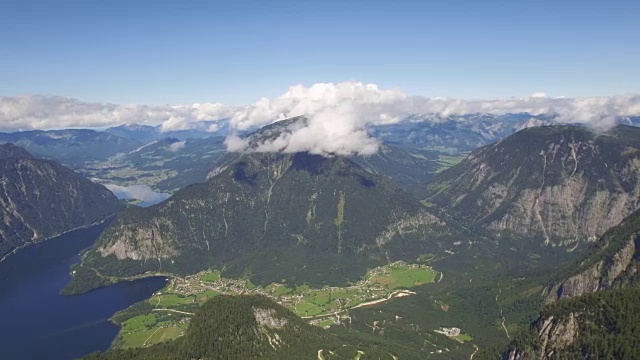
[
  {"x": 427, "y": 203},
  {"x": 308, "y": 309},
  {"x": 173, "y": 300},
  {"x": 140, "y": 322},
  {"x": 405, "y": 278},
  {"x": 141, "y": 328},
  {"x": 279, "y": 290},
  {"x": 320, "y": 300},
  {"x": 170, "y": 332},
  {"x": 464, "y": 337},
  {"x": 326, "y": 323},
  {"x": 208, "y": 294},
  {"x": 135, "y": 339},
  {"x": 210, "y": 277},
  {"x": 447, "y": 161}
]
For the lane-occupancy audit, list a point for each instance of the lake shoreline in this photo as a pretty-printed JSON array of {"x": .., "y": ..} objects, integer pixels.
[
  {"x": 31, "y": 243},
  {"x": 61, "y": 327}
]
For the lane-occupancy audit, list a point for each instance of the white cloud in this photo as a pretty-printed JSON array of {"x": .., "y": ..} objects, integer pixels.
[
  {"x": 139, "y": 192},
  {"x": 177, "y": 146},
  {"x": 31, "y": 112},
  {"x": 300, "y": 100},
  {"x": 235, "y": 144},
  {"x": 338, "y": 114},
  {"x": 337, "y": 117}
]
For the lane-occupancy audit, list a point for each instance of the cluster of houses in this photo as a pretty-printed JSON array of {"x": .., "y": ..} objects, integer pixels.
[{"x": 450, "y": 332}]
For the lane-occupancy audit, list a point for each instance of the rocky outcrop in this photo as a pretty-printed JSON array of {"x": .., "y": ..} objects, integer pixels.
[
  {"x": 586, "y": 282},
  {"x": 619, "y": 263},
  {"x": 599, "y": 284},
  {"x": 557, "y": 333},
  {"x": 603, "y": 274},
  {"x": 269, "y": 318},
  {"x": 559, "y": 184},
  {"x": 553, "y": 334}
]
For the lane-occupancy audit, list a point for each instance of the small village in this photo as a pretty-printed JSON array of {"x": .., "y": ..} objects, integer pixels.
[
  {"x": 378, "y": 284},
  {"x": 322, "y": 307}
]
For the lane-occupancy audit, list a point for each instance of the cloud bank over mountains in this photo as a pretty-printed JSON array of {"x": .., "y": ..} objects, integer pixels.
[
  {"x": 35, "y": 112},
  {"x": 338, "y": 114}
]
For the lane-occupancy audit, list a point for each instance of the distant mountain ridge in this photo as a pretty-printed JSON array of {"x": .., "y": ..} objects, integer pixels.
[
  {"x": 40, "y": 199},
  {"x": 71, "y": 147},
  {"x": 148, "y": 133},
  {"x": 456, "y": 133},
  {"x": 464, "y": 133}
]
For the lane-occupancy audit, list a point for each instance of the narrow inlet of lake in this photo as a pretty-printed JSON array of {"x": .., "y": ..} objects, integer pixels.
[{"x": 38, "y": 323}]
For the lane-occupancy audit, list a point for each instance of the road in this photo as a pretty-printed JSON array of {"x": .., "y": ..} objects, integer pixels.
[
  {"x": 399, "y": 293},
  {"x": 501, "y": 314},
  {"x": 174, "y": 311},
  {"x": 477, "y": 348}
]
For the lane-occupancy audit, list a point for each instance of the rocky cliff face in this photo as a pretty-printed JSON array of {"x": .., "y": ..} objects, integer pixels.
[
  {"x": 595, "y": 285},
  {"x": 557, "y": 184},
  {"x": 614, "y": 263},
  {"x": 603, "y": 274},
  {"x": 553, "y": 334},
  {"x": 40, "y": 199}
]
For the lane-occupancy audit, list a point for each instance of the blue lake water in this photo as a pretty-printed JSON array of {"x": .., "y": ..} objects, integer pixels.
[{"x": 38, "y": 323}]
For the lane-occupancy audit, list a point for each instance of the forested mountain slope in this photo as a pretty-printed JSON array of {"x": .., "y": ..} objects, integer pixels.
[
  {"x": 40, "y": 199},
  {"x": 299, "y": 217}
]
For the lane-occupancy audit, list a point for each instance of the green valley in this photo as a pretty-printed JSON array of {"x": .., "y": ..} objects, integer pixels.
[{"x": 166, "y": 315}]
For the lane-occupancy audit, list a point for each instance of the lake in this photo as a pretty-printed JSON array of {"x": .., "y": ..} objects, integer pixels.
[{"x": 38, "y": 323}]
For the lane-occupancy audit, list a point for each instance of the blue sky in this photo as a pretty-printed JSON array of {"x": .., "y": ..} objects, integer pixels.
[{"x": 237, "y": 51}]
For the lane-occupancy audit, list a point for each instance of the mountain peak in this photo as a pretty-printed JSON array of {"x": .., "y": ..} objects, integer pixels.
[
  {"x": 267, "y": 213},
  {"x": 273, "y": 131},
  {"x": 11, "y": 151}
]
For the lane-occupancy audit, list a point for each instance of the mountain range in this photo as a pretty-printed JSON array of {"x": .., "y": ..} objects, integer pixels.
[
  {"x": 72, "y": 147},
  {"x": 539, "y": 216},
  {"x": 148, "y": 133}
]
